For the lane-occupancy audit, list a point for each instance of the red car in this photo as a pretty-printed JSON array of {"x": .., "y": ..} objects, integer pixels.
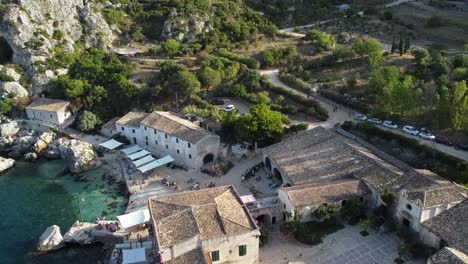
[{"x": 443, "y": 140}]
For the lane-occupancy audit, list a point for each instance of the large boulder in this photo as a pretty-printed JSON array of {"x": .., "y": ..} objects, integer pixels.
[
  {"x": 51, "y": 239},
  {"x": 23, "y": 144},
  {"x": 9, "y": 129},
  {"x": 5, "y": 164},
  {"x": 8, "y": 88},
  {"x": 79, "y": 155},
  {"x": 30, "y": 156},
  {"x": 43, "y": 141}
]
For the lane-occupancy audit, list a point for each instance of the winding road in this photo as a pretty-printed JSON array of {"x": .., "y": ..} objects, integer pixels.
[{"x": 346, "y": 114}]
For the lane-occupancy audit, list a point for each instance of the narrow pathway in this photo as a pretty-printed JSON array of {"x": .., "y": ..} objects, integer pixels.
[{"x": 339, "y": 116}]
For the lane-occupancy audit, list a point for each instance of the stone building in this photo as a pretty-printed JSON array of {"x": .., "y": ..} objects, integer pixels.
[
  {"x": 306, "y": 198},
  {"x": 165, "y": 133},
  {"x": 51, "y": 111},
  {"x": 206, "y": 226}
]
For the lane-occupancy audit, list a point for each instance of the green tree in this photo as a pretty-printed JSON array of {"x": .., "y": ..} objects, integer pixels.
[
  {"x": 370, "y": 48},
  {"x": 231, "y": 130},
  {"x": 171, "y": 47},
  {"x": 210, "y": 78},
  {"x": 263, "y": 124},
  {"x": 459, "y": 104},
  {"x": 88, "y": 121},
  {"x": 186, "y": 83},
  {"x": 388, "y": 197}
]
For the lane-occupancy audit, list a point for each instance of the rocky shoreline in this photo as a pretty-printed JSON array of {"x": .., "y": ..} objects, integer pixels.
[{"x": 30, "y": 145}]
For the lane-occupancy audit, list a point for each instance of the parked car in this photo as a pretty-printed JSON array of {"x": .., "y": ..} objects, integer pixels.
[
  {"x": 390, "y": 124},
  {"x": 461, "y": 146},
  {"x": 374, "y": 121},
  {"x": 410, "y": 130},
  {"x": 192, "y": 117},
  {"x": 443, "y": 140},
  {"x": 218, "y": 101},
  {"x": 360, "y": 117},
  {"x": 426, "y": 135},
  {"x": 229, "y": 108}
]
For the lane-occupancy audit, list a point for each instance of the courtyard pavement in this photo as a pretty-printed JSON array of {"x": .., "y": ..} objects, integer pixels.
[{"x": 343, "y": 247}]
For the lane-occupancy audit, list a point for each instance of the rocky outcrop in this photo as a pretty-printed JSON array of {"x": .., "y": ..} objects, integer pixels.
[
  {"x": 10, "y": 72},
  {"x": 10, "y": 128},
  {"x": 7, "y": 88},
  {"x": 51, "y": 239},
  {"x": 30, "y": 156},
  {"x": 5, "y": 164},
  {"x": 43, "y": 141},
  {"x": 80, "y": 234},
  {"x": 31, "y": 27},
  {"x": 79, "y": 155},
  {"x": 185, "y": 26}
]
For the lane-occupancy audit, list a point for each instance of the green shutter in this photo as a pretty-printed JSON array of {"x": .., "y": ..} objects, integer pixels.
[
  {"x": 242, "y": 250},
  {"x": 214, "y": 255}
]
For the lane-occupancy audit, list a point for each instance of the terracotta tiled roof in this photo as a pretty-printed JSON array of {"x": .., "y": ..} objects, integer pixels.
[
  {"x": 194, "y": 256},
  {"x": 318, "y": 154},
  {"x": 132, "y": 119},
  {"x": 449, "y": 256},
  {"x": 319, "y": 193},
  {"x": 175, "y": 125},
  {"x": 452, "y": 226},
  {"x": 429, "y": 188},
  {"x": 47, "y": 104},
  {"x": 207, "y": 213}
]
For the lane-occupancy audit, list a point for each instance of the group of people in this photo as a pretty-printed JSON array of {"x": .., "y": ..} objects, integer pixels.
[{"x": 112, "y": 227}]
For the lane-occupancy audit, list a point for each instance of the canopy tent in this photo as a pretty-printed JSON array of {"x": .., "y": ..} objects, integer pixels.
[
  {"x": 248, "y": 199},
  {"x": 156, "y": 163},
  {"x": 130, "y": 150},
  {"x": 134, "y": 218},
  {"x": 138, "y": 154},
  {"x": 111, "y": 144},
  {"x": 135, "y": 255},
  {"x": 143, "y": 160}
]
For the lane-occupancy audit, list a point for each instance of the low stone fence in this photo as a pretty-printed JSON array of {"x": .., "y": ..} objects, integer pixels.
[{"x": 394, "y": 161}]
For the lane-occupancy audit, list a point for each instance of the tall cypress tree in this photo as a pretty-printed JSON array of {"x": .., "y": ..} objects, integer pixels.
[
  {"x": 393, "y": 45},
  {"x": 400, "y": 46}
]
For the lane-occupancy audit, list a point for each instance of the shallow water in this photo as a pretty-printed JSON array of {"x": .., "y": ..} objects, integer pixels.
[{"x": 33, "y": 197}]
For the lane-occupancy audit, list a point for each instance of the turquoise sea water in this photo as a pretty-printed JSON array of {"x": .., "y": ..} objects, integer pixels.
[{"x": 33, "y": 197}]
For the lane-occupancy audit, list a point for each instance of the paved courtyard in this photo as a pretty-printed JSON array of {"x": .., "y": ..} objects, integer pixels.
[{"x": 342, "y": 247}]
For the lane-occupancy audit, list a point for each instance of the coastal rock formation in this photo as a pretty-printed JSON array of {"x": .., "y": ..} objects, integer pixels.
[
  {"x": 185, "y": 26},
  {"x": 79, "y": 155},
  {"x": 30, "y": 156},
  {"x": 80, "y": 234},
  {"x": 9, "y": 129},
  {"x": 43, "y": 141},
  {"x": 51, "y": 239},
  {"x": 8, "y": 88},
  {"x": 5, "y": 164}
]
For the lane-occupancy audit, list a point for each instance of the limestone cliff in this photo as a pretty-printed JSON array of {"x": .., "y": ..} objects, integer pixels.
[
  {"x": 33, "y": 27},
  {"x": 182, "y": 27}
]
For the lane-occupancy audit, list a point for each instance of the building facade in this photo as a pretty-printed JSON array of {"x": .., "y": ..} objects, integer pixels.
[
  {"x": 213, "y": 222},
  {"x": 51, "y": 111},
  {"x": 165, "y": 133}
]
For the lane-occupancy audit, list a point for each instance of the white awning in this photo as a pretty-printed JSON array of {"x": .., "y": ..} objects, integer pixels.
[
  {"x": 143, "y": 160},
  {"x": 248, "y": 198},
  {"x": 135, "y": 255},
  {"x": 134, "y": 218},
  {"x": 138, "y": 154},
  {"x": 156, "y": 163},
  {"x": 111, "y": 144},
  {"x": 130, "y": 150}
]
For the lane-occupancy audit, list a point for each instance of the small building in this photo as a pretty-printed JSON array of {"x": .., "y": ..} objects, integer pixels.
[
  {"x": 51, "y": 111},
  {"x": 448, "y": 229},
  {"x": 306, "y": 198},
  {"x": 166, "y": 133},
  {"x": 205, "y": 226},
  {"x": 109, "y": 129}
]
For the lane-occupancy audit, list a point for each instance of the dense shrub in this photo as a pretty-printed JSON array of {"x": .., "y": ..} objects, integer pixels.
[
  {"x": 278, "y": 57},
  {"x": 296, "y": 83},
  {"x": 297, "y": 128},
  {"x": 250, "y": 62}
]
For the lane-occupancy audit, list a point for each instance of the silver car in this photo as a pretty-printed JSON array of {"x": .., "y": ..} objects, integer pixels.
[
  {"x": 374, "y": 121},
  {"x": 389, "y": 124}
]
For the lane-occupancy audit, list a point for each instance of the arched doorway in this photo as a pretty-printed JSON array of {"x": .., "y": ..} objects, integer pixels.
[
  {"x": 268, "y": 163},
  {"x": 263, "y": 220},
  {"x": 278, "y": 176},
  {"x": 6, "y": 52},
  {"x": 208, "y": 158}
]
